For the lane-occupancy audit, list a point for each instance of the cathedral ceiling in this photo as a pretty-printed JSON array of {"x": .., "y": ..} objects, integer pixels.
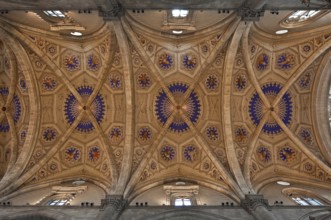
[{"x": 126, "y": 107}]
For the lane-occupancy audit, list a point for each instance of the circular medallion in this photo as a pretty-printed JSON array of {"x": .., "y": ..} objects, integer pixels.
[
  {"x": 262, "y": 62},
  {"x": 167, "y": 153},
  {"x": 190, "y": 153},
  {"x": 72, "y": 109},
  {"x": 287, "y": 154},
  {"x": 49, "y": 134},
  {"x": 240, "y": 82},
  {"x": 48, "y": 83},
  {"x": 284, "y": 109},
  {"x": 241, "y": 135},
  {"x": 144, "y": 134},
  {"x": 263, "y": 154},
  {"x": 189, "y": 108},
  {"x": 71, "y": 62},
  {"x": 211, "y": 82},
  {"x": 15, "y": 110},
  {"x": 305, "y": 80},
  {"x": 165, "y": 61},
  {"x": 94, "y": 154},
  {"x": 93, "y": 62},
  {"x": 286, "y": 61},
  {"x": 189, "y": 62},
  {"x": 116, "y": 134},
  {"x": 72, "y": 154},
  {"x": 306, "y": 136},
  {"x": 212, "y": 133},
  {"x": 144, "y": 80},
  {"x": 115, "y": 81}
]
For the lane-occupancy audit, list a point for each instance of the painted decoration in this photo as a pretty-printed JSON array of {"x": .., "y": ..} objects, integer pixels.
[
  {"x": 48, "y": 83},
  {"x": 38, "y": 153},
  {"x": 286, "y": 61},
  {"x": 240, "y": 82},
  {"x": 211, "y": 82},
  {"x": 38, "y": 64},
  {"x": 4, "y": 125},
  {"x": 305, "y": 80},
  {"x": 144, "y": 80},
  {"x": 284, "y": 108},
  {"x": 166, "y": 61},
  {"x": 212, "y": 133},
  {"x": 15, "y": 109},
  {"x": 287, "y": 154},
  {"x": 306, "y": 136},
  {"x": 308, "y": 167},
  {"x": 189, "y": 61},
  {"x": 72, "y": 154},
  {"x": 241, "y": 135},
  {"x": 49, "y": 134},
  {"x": 94, "y": 154},
  {"x": 71, "y": 62},
  {"x": 52, "y": 50},
  {"x": 263, "y": 154},
  {"x": 115, "y": 81},
  {"x": 72, "y": 109},
  {"x": 190, "y": 108},
  {"x": 145, "y": 134},
  {"x": 22, "y": 84},
  {"x": 116, "y": 134},
  {"x": 53, "y": 167},
  {"x": 167, "y": 153},
  {"x": 190, "y": 153},
  {"x": 306, "y": 48},
  {"x": 262, "y": 62},
  {"x": 93, "y": 62}
]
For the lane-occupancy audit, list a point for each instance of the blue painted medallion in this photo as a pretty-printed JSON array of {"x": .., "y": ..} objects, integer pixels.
[
  {"x": 189, "y": 108},
  {"x": 72, "y": 109},
  {"x": 284, "y": 108},
  {"x": 15, "y": 109}
]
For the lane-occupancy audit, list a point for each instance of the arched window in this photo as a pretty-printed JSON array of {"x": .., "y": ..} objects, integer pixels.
[
  {"x": 305, "y": 200},
  {"x": 302, "y": 17},
  {"x": 305, "y": 197}
]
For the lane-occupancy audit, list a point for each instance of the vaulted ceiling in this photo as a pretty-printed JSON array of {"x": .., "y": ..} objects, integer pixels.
[{"x": 129, "y": 105}]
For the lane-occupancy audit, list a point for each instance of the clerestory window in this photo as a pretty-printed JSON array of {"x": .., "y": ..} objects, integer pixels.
[
  {"x": 57, "y": 14},
  {"x": 59, "y": 202},
  {"x": 183, "y": 202},
  {"x": 301, "y": 18},
  {"x": 179, "y": 13},
  {"x": 306, "y": 201}
]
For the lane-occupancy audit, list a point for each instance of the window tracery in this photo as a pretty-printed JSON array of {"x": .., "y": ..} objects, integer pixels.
[
  {"x": 302, "y": 17},
  {"x": 305, "y": 197}
]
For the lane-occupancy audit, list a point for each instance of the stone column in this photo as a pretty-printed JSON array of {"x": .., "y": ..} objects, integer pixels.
[
  {"x": 112, "y": 207},
  {"x": 257, "y": 206}
]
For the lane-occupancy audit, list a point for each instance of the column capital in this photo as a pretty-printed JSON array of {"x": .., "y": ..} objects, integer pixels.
[
  {"x": 251, "y": 202},
  {"x": 114, "y": 12},
  {"x": 116, "y": 201}
]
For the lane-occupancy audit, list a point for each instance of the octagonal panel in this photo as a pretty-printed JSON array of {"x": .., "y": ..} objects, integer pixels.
[{"x": 166, "y": 62}]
